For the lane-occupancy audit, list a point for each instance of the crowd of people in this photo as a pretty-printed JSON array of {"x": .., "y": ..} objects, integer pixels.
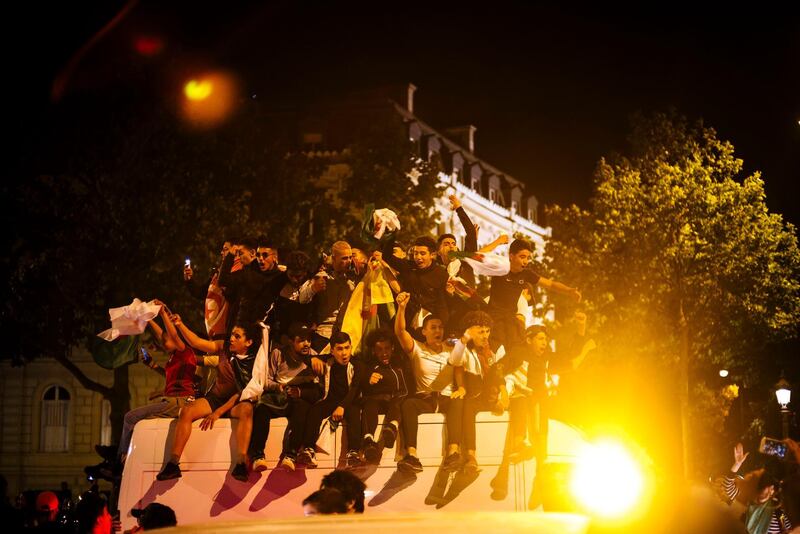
[
  {"x": 393, "y": 331},
  {"x": 381, "y": 329}
]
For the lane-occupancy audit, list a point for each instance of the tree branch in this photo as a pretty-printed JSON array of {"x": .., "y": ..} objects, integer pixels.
[{"x": 85, "y": 381}]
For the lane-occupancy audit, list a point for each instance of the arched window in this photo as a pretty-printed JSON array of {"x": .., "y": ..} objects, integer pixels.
[{"x": 54, "y": 436}]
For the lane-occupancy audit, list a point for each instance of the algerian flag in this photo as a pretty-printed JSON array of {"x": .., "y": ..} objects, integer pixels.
[
  {"x": 119, "y": 352},
  {"x": 129, "y": 320},
  {"x": 379, "y": 225},
  {"x": 486, "y": 264}
]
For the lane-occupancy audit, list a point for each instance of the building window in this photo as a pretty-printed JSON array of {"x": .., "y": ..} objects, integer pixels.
[
  {"x": 492, "y": 195},
  {"x": 514, "y": 207},
  {"x": 54, "y": 436}
]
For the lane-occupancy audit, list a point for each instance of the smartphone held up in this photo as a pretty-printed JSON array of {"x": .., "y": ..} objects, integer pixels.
[{"x": 772, "y": 447}]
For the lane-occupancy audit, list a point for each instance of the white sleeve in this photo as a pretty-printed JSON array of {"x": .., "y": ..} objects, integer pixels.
[
  {"x": 306, "y": 293},
  {"x": 258, "y": 379},
  {"x": 456, "y": 358}
]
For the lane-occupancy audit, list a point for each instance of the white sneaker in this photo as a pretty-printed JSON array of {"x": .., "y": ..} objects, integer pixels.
[
  {"x": 260, "y": 465},
  {"x": 287, "y": 463}
]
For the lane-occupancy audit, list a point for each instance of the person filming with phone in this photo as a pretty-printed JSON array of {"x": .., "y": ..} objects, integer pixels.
[{"x": 758, "y": 491}]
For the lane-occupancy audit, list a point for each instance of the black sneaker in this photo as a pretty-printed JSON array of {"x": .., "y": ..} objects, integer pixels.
[
  {"x": 170, "y": 471},
  {"x": 388, "y": 435},
  {"x": 353, "y": 460},
  {"x": 471, "y": 466},
  {"x": 451, "y": 462},
  {"x": 240, "y": 472},
  {"x": 410, "y": 464},
  {"x": 372, "y": 451},
  {"x": 308, "y": 457}
]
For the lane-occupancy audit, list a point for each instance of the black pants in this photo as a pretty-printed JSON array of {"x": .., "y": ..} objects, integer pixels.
[
  {"x": 323, "y": 409},
  {"x": 471, "y": 408},
  {"x": 262, "y": 415},
  {"x": 431, "y": 403},
  {"x": 370, "y": 409},
  {"x": 296, "y": 414}
]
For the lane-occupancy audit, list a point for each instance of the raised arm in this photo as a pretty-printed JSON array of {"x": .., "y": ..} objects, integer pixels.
[
  {"x": 387, "y": 254},
  {"x": 193, "y": 339},
  {"x": 170, "y": 327},
  {"x": 227, "y": 279},
  {"x": 558, "y": 287},
  {"x": 405, "y": 339},
  {"x": 471, "y": 237},
  {"x": 501, "y": 240}
]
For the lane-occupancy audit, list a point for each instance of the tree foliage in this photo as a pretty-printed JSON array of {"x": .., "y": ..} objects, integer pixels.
[
  {"x": 677, "y": 242},
  {"x": 115, "y": 193}
]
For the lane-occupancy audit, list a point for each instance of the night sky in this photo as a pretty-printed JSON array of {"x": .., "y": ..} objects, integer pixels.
[{"x": 549, "y": 88}]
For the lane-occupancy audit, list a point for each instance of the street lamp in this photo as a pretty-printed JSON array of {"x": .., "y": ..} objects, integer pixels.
[{"x": 784, "y": 396}]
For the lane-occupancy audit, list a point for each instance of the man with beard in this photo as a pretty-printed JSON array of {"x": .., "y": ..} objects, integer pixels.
[{"x": 254, "y": 288}]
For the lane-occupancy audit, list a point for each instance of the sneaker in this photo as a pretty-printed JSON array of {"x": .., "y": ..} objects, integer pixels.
[
  {"x": 451, "y": 461},
  {"x": 287, "y": 463},
  {"x": 106, "y": 452},
  {"x": 410, "y": 464},
  {"x": 170, "y": 471},
  {"x": 308, "y": 457},
  {"x": 240, "y": 472},
  {"x": 471, "y": 466},
  {"x": 353, "y": 460},
  {"x": 372, "y": 451},
  {"x": 388, "y": 435},
  {"x": 260, "y": 464}
]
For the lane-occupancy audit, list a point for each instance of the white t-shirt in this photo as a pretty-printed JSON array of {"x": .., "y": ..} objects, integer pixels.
[
  {"x": 468, "y": 358},
  {"x": 431, "y": 370}
]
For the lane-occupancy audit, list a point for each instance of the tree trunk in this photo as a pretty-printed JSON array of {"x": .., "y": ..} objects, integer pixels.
[
  {"x": 118, "y": 394},
  {"x": 120, "y": 399},
  {"x": 683, "y": 393}
]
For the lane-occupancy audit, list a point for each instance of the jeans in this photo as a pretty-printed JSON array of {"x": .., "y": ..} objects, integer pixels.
[{"x": 168, "y": 407}]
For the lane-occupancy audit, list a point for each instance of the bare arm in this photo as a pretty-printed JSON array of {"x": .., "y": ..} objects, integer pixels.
[
  {"x": 558, "y": 287},
  {"x": 405, "y": 339},
  {"x": 170, "y": 327},
  {"x": 502, "y": 240},
  {"x": 194, "y": 340}
]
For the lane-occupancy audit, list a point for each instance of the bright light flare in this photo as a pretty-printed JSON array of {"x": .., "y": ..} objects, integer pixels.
[
  {"x": 723, "y": 373},
  {"x": 198, "y": 89},
  {"x": 209, "y": 99},
  {"x": 607, "y": 480}
]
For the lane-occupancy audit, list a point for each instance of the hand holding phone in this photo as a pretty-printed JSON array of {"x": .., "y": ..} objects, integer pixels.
[{"x": 772, "y": 447}]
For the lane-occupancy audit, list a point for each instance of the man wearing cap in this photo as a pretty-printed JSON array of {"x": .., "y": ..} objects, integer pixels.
[{"x": 290, "y": 388}]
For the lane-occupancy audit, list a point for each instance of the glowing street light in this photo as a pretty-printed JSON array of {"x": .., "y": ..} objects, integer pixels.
[
  {"x": 784, "y": 396},
  {"x": 209, "y": 99},
  {"x": 198, "y": 89},
  {"x": 723, "y": 373}
]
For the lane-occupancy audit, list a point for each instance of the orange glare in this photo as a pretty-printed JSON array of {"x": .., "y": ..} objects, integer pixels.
[{"x": 198, "y": 90}]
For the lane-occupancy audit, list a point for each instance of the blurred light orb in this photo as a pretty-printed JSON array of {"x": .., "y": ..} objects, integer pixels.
[
  {"x": 209, "y": 99},
  {"x": 198, "y": 89},
  {"x": 607, "y": 480},
  {"x": 723, "y": 373},
  {"x": 148, "y": 45}
]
